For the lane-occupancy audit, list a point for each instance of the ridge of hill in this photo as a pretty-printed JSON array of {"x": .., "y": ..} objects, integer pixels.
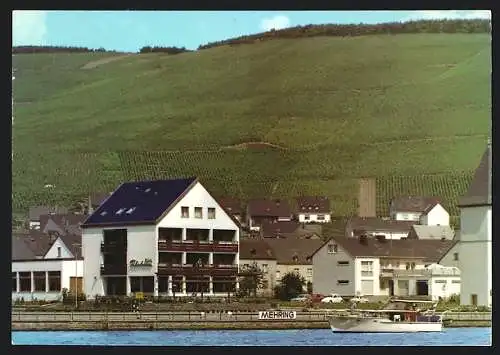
[{"x": 277, "y": 118}]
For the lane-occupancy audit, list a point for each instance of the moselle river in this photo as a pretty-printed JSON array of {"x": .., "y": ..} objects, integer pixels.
[{"x": 309, "y": 337}]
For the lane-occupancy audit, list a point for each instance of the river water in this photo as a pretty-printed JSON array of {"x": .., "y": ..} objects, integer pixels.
[{"x": 309, "y": 337}]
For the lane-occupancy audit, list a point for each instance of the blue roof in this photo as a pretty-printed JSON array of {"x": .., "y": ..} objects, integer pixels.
[{"x": 138, "y": 202}]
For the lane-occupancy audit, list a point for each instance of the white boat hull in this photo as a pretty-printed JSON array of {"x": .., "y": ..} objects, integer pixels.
[{"x": 351, "y": 324}]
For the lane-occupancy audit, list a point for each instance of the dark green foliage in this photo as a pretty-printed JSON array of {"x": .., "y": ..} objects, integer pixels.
[
  {"x": 168, "y": 50},
  {"x": 291, "y": 285}
]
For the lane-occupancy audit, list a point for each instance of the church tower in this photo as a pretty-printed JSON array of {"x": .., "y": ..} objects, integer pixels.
[{"x": 475, "y": 237}]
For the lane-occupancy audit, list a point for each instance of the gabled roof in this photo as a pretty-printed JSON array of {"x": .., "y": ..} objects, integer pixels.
[
  {"x": 62, "y": 223},
  {"x": 231, "y": 205},
  {"x": 417, "y": 204},
  {"x": 269, "y": 208},
  {"x": 431, "y": 232},
  {"x": 479, "y": 192},
  {"x": 36, "y": 211},
  {"x": 271, "y": 229},
  {"x": 141, "y": 202},
  {"x": 255, "y": 249},
  {"x": 426, "y": 249},
  {"x": 360, "y": 225},
  {"x": 73, "y": 242},
  {"x": 35, "y": 241},
  {"x": 294, "y": 251},
  {"x": 313, "y": 204}
]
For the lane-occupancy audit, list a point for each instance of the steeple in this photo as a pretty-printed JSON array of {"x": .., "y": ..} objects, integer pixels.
[{"x": 479, "y": 192}]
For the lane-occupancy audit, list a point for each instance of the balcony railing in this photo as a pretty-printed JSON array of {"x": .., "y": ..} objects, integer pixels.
[
  {"x": 190, "y": 269},
  {"x": 113, "y": 269},
  {"x": 197, "y": 245}
]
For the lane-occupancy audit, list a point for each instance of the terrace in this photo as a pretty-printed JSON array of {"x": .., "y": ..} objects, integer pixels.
[{"x": 197, "y": 240}]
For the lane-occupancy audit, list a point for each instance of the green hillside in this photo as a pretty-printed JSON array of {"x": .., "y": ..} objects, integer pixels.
[{"x": 325, "y": 110}]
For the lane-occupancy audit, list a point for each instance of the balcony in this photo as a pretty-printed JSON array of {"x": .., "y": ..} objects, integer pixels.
[
  {"x": 113, "y": 269},
  {"x": 190, "y": 269},
  {"x": 197, "y": 246},
  {"x": 386, "y": 273}
]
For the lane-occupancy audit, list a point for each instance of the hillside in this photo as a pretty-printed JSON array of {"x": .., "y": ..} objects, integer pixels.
[{"x": 280, "y": 117}]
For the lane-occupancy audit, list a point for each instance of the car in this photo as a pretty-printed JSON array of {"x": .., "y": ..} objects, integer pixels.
[
  {"x": 359, "y": 299},
  {"x": 333, "y": 298},
  {"x": 301, "y": 298}
]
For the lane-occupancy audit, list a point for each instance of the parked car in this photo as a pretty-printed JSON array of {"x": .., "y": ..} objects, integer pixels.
[
  {"x": 333, "y": 298},
  {"x": 316, "y": 297},
  {"x": 359, "y": 299},
  {"x": 301, "y": 298}
]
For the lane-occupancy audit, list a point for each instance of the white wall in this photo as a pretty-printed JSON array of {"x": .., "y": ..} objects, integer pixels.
[
  {"x": 375, "y": 276},
  {"x": 91, "y": 251},
  {"x": 142, "y": 243},
  {"x": 52, "y": 252},
  {"x": 436, "y": 216},
  {"x": 444, "y": 287},
  {"x": 475, "y": 254},
  {"x": 314, "y": 218},
  {"x": 327, "y": 272},
  {"x": 68, "y": 268},
  {"x": 406, "y": 216},
  {"x": 448, "y": 258},
  {"x": 198, "y": 196}
]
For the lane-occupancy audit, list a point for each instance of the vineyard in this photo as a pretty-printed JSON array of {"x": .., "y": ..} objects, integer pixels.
[{"x": 415, "y": 114}]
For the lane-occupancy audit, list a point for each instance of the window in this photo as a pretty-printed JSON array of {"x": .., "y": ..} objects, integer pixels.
[
  {"x": 343, "y": 282},
  {"x": 39, "y": 278},
  {"x": 332, "y": 248},
  {"x": 265, "y": 283},
  {"x": 455, "y": 281},
  {"x": 366, "y": 268},
  {"x": 296, "y": 270},
  {"x": 321, "y": 217},
  {"x": 342, "y": 263},
  {"x": 264, "y": 268},
  {"x": 55, "y": 281},
  {"x": 211, "y": 213},
  {"x": 184, "y": 212},
  {"x": 309, "y": 272},
  {"x": 455, "y": 256},
  {"x": 198, "y": 212},
  {"x": 14, "y": 282},
  {"x": 278, "y": 275},
  {"x": 412, "y": 266},
  {"x": 407, "y": 266},
  {"x": 58, "y": 252},
  {"x": 25, "y": 282},
  {"x": 307, "y": 217},
  {"x": 440, "y": 281},
  {"x": 120, "y": 211}
]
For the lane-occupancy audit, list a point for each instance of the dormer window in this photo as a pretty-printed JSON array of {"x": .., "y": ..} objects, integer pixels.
[
  {"x": 103, "y": 213},
  {"x": 120, "y": 211},
  {"x": 130, "y": 210},
  {"x": 332, "y": 248},
  {"x": 295, "y": 258}
]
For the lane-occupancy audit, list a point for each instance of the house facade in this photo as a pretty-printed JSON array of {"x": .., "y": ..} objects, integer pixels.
[
  {"x": 162, "y": 238},
  {"x": 474, "y": 252},
  {"x": 374, "y": 226},
  {"x": 372, "y": 267},
  {"x": 261, "y": 211},
  {"x": 44, "y": 265},
  {"x": 435, "y": 215},
  {"x": 411, "y": 208},
  {"x": 293, "y": 255},
  {"x": 313, "y": 209},
  {"x": 257, "y": 252}
]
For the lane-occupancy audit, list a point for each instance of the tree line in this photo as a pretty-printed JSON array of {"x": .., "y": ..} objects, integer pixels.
[{"x": 338, "y": 30}]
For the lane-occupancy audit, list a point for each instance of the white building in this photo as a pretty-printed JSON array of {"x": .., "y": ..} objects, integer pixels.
[
  {"x": 412, "y": 208},
  {"x": 474, "y": 252},
  {"x": 313, "y": 209},
  {"x": 374, "y": 226},
  {"x": 43, "y": 265},
  {"x": 162, "y": 238},
  {"x": 372, "y": 267}
]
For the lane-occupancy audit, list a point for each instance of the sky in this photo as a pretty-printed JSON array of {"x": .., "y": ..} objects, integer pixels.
[{"x": 128, "y": 31}]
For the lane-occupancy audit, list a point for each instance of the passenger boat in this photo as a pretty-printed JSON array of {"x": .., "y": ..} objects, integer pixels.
[{"x": 391, "y": 319}]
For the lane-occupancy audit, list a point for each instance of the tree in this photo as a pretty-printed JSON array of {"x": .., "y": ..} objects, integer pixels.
[
  {"x": 251, "y": 281},
  {"x": 291, "y": 285}
]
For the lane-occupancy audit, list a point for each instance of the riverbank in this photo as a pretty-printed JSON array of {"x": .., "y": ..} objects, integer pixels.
[{"x": 67, "y": 321}]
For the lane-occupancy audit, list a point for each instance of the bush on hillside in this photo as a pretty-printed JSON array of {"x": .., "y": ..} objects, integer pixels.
[{"x": 57, "y": 49}]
